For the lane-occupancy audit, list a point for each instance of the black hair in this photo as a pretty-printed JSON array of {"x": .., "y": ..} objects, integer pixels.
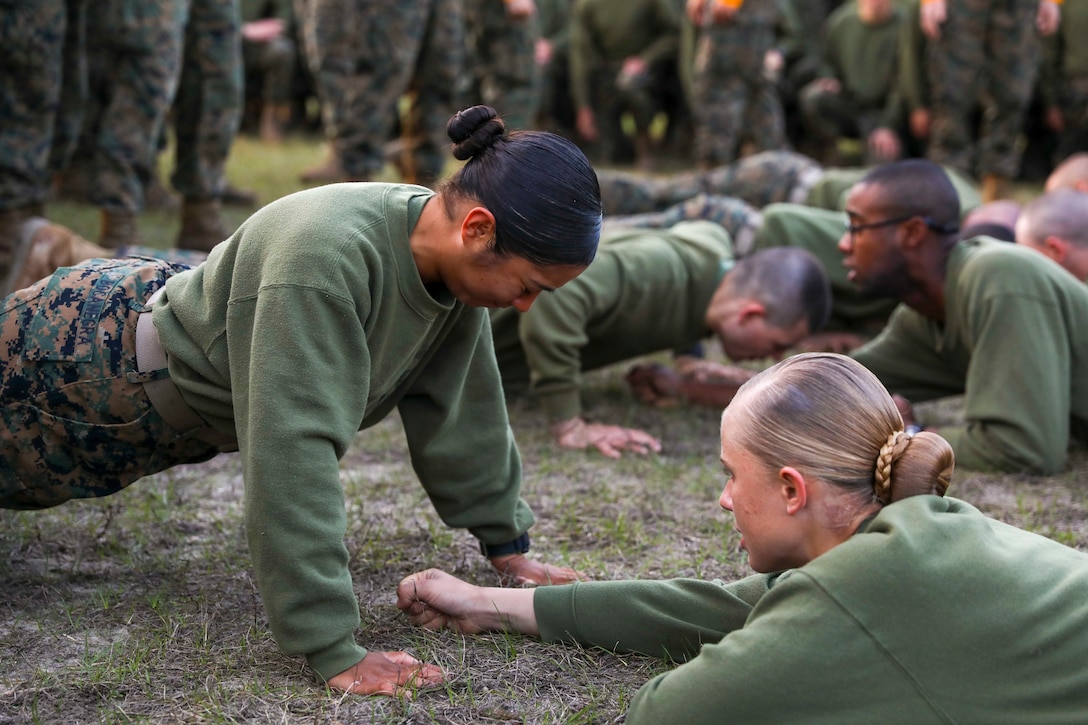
[
  {"x": 917, "y": 187},
  {"x": 540, "y": 188}
]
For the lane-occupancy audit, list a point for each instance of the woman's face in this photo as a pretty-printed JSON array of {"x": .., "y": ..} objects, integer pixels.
[
  {"x": 757, "y": 497},
  {"x": 489, "y": 280}
]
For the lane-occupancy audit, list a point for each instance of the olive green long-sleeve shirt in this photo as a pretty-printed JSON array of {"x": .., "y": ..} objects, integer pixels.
[
  {"x": 931, "y": 613},
  {"x": 309, "y": 324},
  {"x": 647, "y": 290},
  {"x": 609, "y": 31},
  {"x": 1014, "y": 342}
]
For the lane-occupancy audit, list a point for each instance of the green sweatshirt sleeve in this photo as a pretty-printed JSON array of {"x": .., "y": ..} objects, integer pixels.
[
  {"x": 784, "y": 666},
  {"x": 670, "y": 619},
  {"x": 554, "y": 331},
  {"x": 293, "y": 426},
  {"x": 459, "y": 436}
]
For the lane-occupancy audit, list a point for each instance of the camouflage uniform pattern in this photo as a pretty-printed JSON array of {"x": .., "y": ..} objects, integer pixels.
[
  {"x": 208, "y": 107},
  {"x": 32, "y": 37},
  {"x": 364, "y": 54},
  {"x": 732, "y": 96},
  {"x": 503, "y": 60},
  {"x": 987, "y": 46},
  {"x": 1063, "y": 81},
  {"x": 76, "y": 422},
  {"x": 759, "y": 179},
  {"x": 134, "y": 57},
  {"x": 740, "y": 219}
]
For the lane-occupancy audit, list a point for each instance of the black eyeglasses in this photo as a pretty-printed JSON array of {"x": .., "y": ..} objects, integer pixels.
[{"x": 853, "y": 229}]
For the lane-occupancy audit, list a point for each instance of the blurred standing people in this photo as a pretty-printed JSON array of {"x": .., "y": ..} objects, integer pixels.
[
  {"x": 736, "y": 67},
  {"x": 269, "y": 58},
  {"x": 363, "y": 56},
  {"x": 555, "y": 106},
  {"x": 207, "y": 112},
  {"x": 855, "y": 94},
  {"x": 1064, "y": 81},
  {"x": 622, "y": 58},
  {"x": 992, "y": 46},
  {"x": 33, "y": 36},
  {"x": 502, "y": 36},
  {"x": 134, "y": 59}
]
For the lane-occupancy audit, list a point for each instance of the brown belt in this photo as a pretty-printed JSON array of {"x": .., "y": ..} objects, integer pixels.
[{"x": 163, "y": 393}]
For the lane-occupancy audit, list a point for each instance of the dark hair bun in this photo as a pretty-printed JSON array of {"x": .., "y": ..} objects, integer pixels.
[{"x": 473, "y": 130}]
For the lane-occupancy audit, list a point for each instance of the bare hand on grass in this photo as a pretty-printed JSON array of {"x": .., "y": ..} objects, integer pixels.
[
  {"x": 611, "y": 440},
  {"x": 520, "y": 570},
  {"x": 436, "y": 600},
  {"x": 387, "y": 673}
]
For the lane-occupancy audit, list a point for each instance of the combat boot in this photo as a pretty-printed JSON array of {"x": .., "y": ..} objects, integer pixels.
[
  {"x": 158, "y": 197},
  {"x": 329, "y": 171},
  {"x": 201, "y": 225},
  {"x": 994, "y": 187},
  {"x": 118, "y": 229},
  {"x": 13, "y": 246},
  {"x": 52, "y": 246}
]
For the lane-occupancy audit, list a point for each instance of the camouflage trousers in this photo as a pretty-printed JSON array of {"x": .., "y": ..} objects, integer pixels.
[
  {"x": 759, "y": 179},
  {"x": 364, "y": 55},
  {"x": 987, "y": 46},
  {"x": 208, "y": 106},
  {"x": 737, "y": 217},
  {"x": 732, "y": 97},
  {"x": 75, "y": 421},
  {"x": 503, "y": 60}
]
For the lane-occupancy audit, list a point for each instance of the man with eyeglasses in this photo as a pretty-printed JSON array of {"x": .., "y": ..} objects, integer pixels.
[{"x": 995, "y": 322}]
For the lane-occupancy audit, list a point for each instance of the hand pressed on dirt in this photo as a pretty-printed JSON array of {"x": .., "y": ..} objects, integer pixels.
[{"x": 387, "y": 673}]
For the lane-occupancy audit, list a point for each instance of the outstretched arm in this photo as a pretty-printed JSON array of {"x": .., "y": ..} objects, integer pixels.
[{"x": 436, "y": 600}]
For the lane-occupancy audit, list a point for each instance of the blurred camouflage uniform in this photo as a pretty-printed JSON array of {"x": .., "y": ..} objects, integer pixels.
[
  {"x": 733, "y": 96},
  {"x": 759, "y": 179},
  {"x": 736, "y": 216},
  {"x": 32, "y": 35},
  {"x": 80, "y": 388},
  {"x": 990, "y": 46},
  {"x": 207, "y": 113},
  {"x": 364, "y": 55},
  {"x": 556, "y": 107},
  {"x": 1064, "y": 80},
  {"x": 269, "y": 66},
  {"x": 503, "y": 60},
  {"x": 134, "y": 58}
]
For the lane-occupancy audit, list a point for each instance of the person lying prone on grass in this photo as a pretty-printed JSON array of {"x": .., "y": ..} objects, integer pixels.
[{"x": 878, "y": 599}]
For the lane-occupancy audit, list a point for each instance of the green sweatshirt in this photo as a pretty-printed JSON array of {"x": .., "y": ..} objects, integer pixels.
[
  {"x": 610, "y": 31},
  {"x": 1014, "y": 342},
  {"x": 932, "y": 612},
  {"x": 309, "y": 324},
  {"x": 1065, "y": 53},
  {"x": 647, "y": 290},
  {"x": 863, "y": 59}
]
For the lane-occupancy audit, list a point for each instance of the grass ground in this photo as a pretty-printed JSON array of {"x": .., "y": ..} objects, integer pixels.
[{"x": 141, "y": 607}]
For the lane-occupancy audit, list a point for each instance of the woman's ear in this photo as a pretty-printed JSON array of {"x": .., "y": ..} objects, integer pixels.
[
  {"x": 478, "y": 229},
  {"x": 793, "y": 489}
]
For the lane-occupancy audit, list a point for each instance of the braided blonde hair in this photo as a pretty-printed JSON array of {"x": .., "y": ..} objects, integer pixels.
[{"x": 828, "y": 416}]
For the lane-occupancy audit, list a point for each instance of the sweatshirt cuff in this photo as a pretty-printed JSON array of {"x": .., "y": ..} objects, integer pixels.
[
  {"x": 331, "y": 661},
  {"x": 554, "y": 610},
  {"x": 562, "y": 405}
]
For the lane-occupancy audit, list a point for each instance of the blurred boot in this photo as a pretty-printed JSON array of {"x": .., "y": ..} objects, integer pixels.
[
  {"x": 328, "y": 171},
  {"x": 274, "y": 119},
  {"x": 13, "y": 246},
  {"x": 233, "y": 196},
  {"x": 118, "y": 229},
  {"x": 994, "y": 187},
  {"x": 201, "y": 225},
  {"x": 158, "y": 197},
  {"x": 52, "y": 246}
]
